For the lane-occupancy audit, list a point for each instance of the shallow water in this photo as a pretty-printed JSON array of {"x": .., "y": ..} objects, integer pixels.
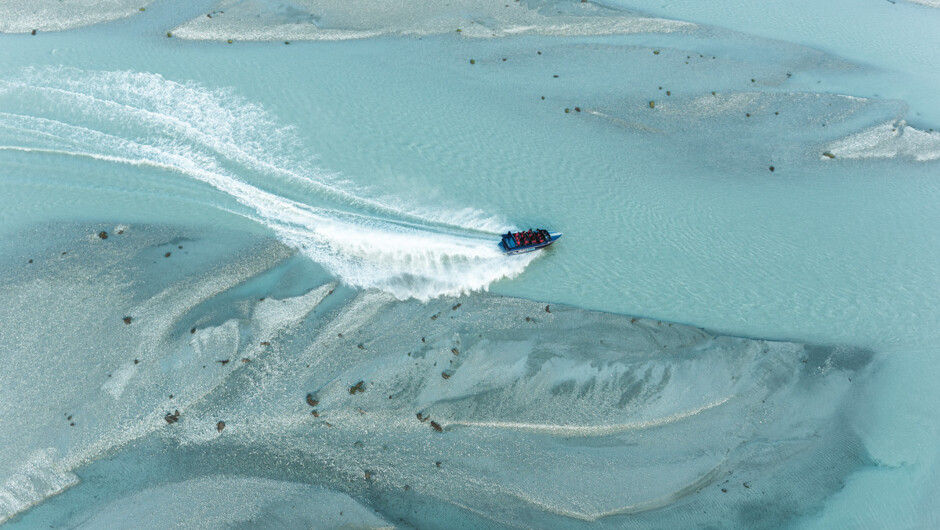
[{"x": 380, "y": 171}]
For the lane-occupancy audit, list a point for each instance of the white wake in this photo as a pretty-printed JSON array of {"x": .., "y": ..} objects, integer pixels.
[{"x": 216, "y": 137}]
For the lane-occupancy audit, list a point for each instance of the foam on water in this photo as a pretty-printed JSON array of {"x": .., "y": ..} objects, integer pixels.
[{"x": 218, "y": 138}]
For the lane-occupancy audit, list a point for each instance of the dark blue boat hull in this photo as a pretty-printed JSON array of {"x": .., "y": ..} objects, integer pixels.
[{"x": 529, "y": 248}]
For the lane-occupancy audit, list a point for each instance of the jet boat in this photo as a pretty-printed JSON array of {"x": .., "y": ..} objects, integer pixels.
[{"x": 527, "y": 241}]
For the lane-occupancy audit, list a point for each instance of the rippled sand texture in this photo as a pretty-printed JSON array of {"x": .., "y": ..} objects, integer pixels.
[
  {"x": 492, "y": 406},
  {"x": 357, "y": 19}
]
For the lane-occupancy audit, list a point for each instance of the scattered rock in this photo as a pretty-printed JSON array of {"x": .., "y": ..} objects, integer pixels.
[
  {"x": 265, "y": 343},
  {"x": 652, "y": 104},
  {"x": 567, "y": 110},
  {"x": 436, "y": 426},
  {"x": 548, "y": 309},
  {"x": 504, "y": 59},
  {"x": 30, "y": 261},
  {"x": 287, "y": 42},
  {"x": 314, "y": 413},
  {"x": 223, "y": 362},
  {"x": 192, "y": 331},
  {"x": 771, "y": 169},
  {"x": 724, "y": 490},
  {"x": 172, "y": 418},
  {"x": 445, "y": 375},
  {"x": 136, "y": 361},
  {"x": 313, "y": 402},
  {"x": 438, "y": 463},
  {"x": 219, "y": 426},
  {"x": 167, "y": 255},
  {"x": 33, "y": 32},
  {"x": 142, "y": 9},
  {"x": 747, "y": 485},
  {"x": 472, "y": 61},
  {"x": 103, "y": 235},
  {"x": 543, "y": 98},
  {"x": 169, "y": 34},
  {"x": 655, "y": 52},
  {"x": 713, "y": 93},
  {"x": 423, "y": 339},
  {"x": 827, "y": 154},
  {"x": 229, "y": 41},
  {"x": 422, "y": 417},
  {"x": 555, "y": 76},
  {"x": 528, "y": 319},
  {"x": 455, "y": 351},
  {"x": 456, "y": 306},
  {"x": 577, "y": 109},
  {"x": 358, "y": 387},
  {"x": 434, "y": 317},
  {"x": 246, "y": 360},
  {"x": 752, "y": 80},
  {"x": 360, "y": 346},
  {"x": 747, "y": 114},
  {"x": 128, "y": 320},
  {"x": 668, "y": 93}
]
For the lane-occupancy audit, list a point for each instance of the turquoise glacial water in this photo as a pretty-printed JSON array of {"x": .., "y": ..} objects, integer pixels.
[{"x": 736, "y": 329}]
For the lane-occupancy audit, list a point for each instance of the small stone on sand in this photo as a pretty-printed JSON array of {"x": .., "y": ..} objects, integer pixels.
[
  {"x": 103, "y": 234},
  {"x": 128, "y": 320},
  {"x": 313, "y": 402},
  {"x": 219, "y": 426},
  {"x": 358, "y": 387},
  {"x": 436, "y": 426}
]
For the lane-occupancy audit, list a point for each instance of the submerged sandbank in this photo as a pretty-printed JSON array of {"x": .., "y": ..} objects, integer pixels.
[
  {"x": 24, "y": 16},
  {"x": 343, "y": 20},
  {"x": 486, "y": 407}
]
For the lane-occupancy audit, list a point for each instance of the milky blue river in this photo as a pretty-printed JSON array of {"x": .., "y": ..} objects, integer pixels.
[{"x": 251, "y": 278}]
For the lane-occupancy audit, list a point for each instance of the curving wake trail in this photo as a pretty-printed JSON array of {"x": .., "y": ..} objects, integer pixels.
[{"x": 216, "y": 137}]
